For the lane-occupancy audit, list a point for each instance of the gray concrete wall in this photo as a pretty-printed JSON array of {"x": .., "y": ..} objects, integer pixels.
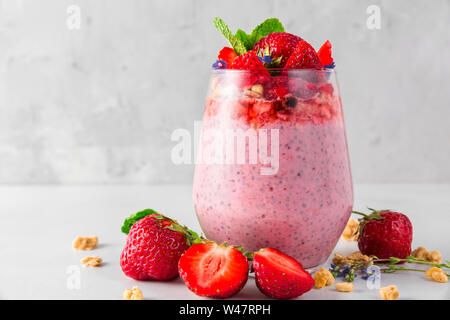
[{"x": 98, "y": 104}]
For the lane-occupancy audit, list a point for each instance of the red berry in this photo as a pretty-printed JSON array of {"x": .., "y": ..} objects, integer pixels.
[
  {"x": 279, "y": 275},
  {"x": 249, "y": 61},
  {"x": 152, "y": 250},
  {"x": 327, "y": 88},
  {"x": 228, "y": 55},
  {"x": 386, "y": 234},
  {"x": 303, "y": 57},
  {"x": 280, "y": 44},
  {"x": 213, "y": 270},
  {"x": 325, "y": 54}
]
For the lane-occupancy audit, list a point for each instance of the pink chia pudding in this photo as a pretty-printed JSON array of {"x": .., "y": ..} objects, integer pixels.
[{"x": 298, "y": 203}]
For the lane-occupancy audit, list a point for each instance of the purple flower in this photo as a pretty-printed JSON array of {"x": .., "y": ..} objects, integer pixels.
[
  {"x": 266, "y": 59},
  {"x": 219, "y": 64}
]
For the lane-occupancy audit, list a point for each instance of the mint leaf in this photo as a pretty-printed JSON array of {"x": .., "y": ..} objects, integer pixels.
[
  {"x": 245, "y": 38},
  {"x": 134, "y": 218},
  {"x": 269, "y": 26},
  {"x": 236, "y": 43}
]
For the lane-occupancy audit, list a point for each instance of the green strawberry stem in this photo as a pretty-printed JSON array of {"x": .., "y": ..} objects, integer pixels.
[
  {"x": 249, "y": 255},
  {"x": 191, "y": 236},
  {"x": 366, "y": 217},
  {"x": 361, "y": 214}
]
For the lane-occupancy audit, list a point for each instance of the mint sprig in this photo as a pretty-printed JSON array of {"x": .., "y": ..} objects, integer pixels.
[
  {"x": 265, "y": 28},
  {"x": 243, "y": 42},
  {"x": 128, "y": 223},
  {"x": 235, "y": 42},
  {"x": 245, "y": 39}
]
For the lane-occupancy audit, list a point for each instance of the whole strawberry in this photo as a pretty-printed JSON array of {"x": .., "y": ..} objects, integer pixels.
[
  {"x": 154, "y": 245},
  {"x": 303, "y": 57},
  {"x": 280, "y": 276},
  {"x": 385, "y": 234},
  {"x": 279, "y": 45}
]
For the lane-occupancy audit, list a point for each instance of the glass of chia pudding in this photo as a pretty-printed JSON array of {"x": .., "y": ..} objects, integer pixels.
[{"x": 273, "y": 167}]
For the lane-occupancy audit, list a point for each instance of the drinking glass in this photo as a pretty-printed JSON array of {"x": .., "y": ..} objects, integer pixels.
[{"x": 272, "y": 168}]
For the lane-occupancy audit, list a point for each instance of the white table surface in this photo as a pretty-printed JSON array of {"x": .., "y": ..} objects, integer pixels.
[{"x": 38, "y": 224}]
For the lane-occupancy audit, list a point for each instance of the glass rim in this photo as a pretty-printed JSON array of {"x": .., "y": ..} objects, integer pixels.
[{"x": 326, "y": 70}]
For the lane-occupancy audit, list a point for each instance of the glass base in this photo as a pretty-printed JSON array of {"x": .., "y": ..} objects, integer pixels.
[{"x": 313, "y": 269}]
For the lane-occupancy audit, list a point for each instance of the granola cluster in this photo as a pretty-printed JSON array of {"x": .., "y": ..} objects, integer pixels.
[
  {"x": 355, "y": 257},
  {"x": 423, "y": 254},
  {"x": 345, "y": 287},
  {"x": 389, "y": 293},
  {"x": 85, "y": 243},
  {"x": 323, "y": 278},
  {"x": 437, "y": 274},
  {"x": 89, "y": 261},
  {"x": 133, "y": 294},
  {"x": 351, "y": 231}
]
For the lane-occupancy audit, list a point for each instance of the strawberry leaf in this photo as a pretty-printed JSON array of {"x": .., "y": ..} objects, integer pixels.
[
  {"x": 248, "y": 255},
  {"x": 134, "y": 218},
  {"x": 235, "y": 42},
  {"x": 269, "y": 26}
]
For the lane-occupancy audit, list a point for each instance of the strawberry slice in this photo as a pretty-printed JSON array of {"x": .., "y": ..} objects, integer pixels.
[
  {"x": 228, "y": 55},
  {"x": 303, "y": 57},
  {"x": 213, "y": 270},
  {"x": 324, "y": 54},
  {"x": 279, "y": 275},
  {"x": 249, "y": 61}
]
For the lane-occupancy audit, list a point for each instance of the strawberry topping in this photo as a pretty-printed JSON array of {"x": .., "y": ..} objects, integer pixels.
[
  {"x": 228, "y": 55},
  {"x": 303, "y": 57},
  {"x": 249, "y": 61},
  {"x": 325, "y": 54},
  {"x": 279, "y": 45}
]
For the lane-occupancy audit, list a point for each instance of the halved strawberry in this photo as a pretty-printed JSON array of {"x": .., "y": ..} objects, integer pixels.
[
  {"x": 279, "y": 44},
  {"x": 228, "y": 55},
  {"x": 324, "y": 54},
  {"x": 303, "y": 57},
  {"x": 279, "y": 275},
  {"x": 213, "y": 270},
  {"x": 249, "y": 61}
]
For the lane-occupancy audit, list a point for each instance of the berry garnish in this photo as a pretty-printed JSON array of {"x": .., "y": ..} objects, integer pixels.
[
  {"x": 213, "y": 270},
  {"x": 249, "y": 61},
  {"x": 385, "y": 234},
  {"x": 279, "y": 275},
  {"x": 154, "y": 245},
  {"x": 324, "y": 54},
  {"x": 228, "y": 55},
  {"x": 278, "y": 45},
  {"x": 303, "y": 57}
]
